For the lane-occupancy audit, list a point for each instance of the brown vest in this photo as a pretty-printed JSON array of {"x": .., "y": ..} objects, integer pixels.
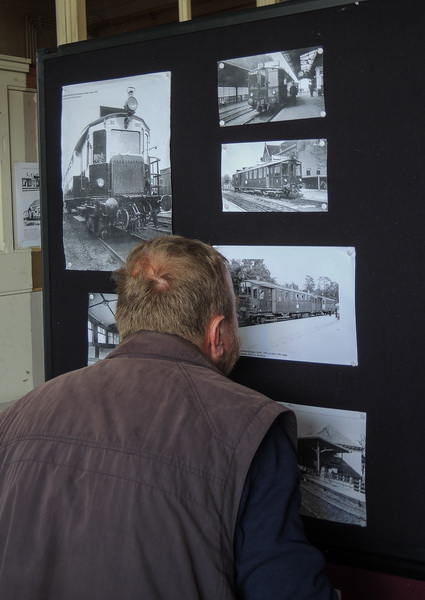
[{"x": 130, "y": 474}]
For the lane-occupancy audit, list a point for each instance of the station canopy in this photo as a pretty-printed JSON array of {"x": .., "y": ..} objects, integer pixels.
[{"x": 299, "y": 64}]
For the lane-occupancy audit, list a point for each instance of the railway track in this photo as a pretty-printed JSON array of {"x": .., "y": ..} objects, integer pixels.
[
  {"x": 230, "y": 114},
  {"x": 255, "y": 204},
  {"x": 240, "y": 115},
  {"x": 258, "y": 203},
  {"x": 120, "y": 243},
  {"x": 84, "y": 250},
  {"x": 115, "y": 253}
]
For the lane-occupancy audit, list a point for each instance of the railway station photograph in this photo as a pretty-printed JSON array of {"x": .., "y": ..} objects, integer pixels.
[
  {"x": 295, "y": 303},
  {"x": 102, "y": 332},
  {"x": 116, "y": 174},
  {"x": 272, "y": 87},
  {"x": 332, "y": 460},
  {"x": 275, "y": 176}
]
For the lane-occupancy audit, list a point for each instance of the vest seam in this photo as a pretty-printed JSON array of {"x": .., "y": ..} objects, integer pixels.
[
  {"x": 119, "y": 449},
  {"x": 113, "y": 476},
  {"x": 200, "y": 404}
]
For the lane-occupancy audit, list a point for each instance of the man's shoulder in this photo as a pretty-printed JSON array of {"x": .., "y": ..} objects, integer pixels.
[
  {"x": 45, "y": 391},
  {"x": 211, "y": 385}
]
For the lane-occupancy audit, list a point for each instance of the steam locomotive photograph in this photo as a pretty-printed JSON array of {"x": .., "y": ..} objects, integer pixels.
[
  {"x": 277, "y": 176},
  {"x": 116, "y": 174},
  {"x": 275, "y": 86},
  {"x": 295, "y": 302}
]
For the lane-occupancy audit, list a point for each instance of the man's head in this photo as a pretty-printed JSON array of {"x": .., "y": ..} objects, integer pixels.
[{"x": 180, "y": 286}]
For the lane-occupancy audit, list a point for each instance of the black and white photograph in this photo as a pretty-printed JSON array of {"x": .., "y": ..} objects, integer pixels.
[
  {"x": 332, "y": 460},
  {"x": 295, "y": 303},
  {"x": 102, "y": 332},
  {"x": 271, "y": 87},
  {"x": 275, "y": 176},
  {"x": 27, "y": 212},
  {"x": 116, "y": 172}
]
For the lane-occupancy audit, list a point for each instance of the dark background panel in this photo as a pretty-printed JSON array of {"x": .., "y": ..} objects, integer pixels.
[{"x": 373, "y": 55}]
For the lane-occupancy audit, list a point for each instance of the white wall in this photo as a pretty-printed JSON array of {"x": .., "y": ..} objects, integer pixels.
[{"x": 21, "y": 339}]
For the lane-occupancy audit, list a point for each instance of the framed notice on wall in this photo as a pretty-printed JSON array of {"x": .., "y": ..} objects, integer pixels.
[
  {"x": 281, "y": 136},
  {"x": 27, "y": 205}
]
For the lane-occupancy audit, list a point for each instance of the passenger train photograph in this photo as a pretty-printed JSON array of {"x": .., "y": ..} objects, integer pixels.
[
  {"x": 295, "y": 303},
  {"x": 275, "y": 86},
  {"x": 263, "y": 302},
  {"x": 275, "y": 176},
  {"x": 116, "y": 175}
]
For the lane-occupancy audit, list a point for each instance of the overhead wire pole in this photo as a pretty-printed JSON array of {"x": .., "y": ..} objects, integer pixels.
[
  {"x": 185, "y": 10},
  {"x": 71, "y": 22}
]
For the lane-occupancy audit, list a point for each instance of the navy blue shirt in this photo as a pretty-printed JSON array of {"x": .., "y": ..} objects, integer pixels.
[{"x": 273, "y": 559}]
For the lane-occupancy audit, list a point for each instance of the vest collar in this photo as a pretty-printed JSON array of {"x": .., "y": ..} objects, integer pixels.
[{"x": 161, "y": 345}]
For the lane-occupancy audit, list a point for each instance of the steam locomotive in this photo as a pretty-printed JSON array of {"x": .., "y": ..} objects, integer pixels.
[{"x": 111, "y": 179}]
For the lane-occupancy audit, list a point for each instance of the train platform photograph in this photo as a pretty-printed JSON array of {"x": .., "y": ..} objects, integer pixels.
[
  {"x": 278, "y": 86},
  {"x": 331, "y": 452}
]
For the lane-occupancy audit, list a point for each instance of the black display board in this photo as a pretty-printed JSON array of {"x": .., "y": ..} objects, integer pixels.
[{"x": 374, "y": 120}]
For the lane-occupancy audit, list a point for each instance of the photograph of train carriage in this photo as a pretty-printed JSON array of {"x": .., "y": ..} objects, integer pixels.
[
  {"x": 275, "y": 86},
  {"x": 295, "y": 303},
  {"x": 262, "y": 302},
  {"x": 275, "y": 176},
  {"x": 331, "y": 455},
  {"x": 116, "y": 174}
]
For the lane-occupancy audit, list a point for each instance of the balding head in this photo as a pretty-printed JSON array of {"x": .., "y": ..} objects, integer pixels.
[{"x": 175, "y": 285}]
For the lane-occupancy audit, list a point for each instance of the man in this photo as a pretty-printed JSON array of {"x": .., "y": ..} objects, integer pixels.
[
  {"x": 150, "y": 474},
  {"x": 293, "y": 91}
]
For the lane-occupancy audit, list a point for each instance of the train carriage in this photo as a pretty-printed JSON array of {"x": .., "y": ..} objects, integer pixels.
[
  {"x": 111, "y": 180},
  {"x": 267, "y": 88},
  {"x": 327, "y": 305},
  {"x": 261, "y": 302},
  {"x": 278, "y": 178}
]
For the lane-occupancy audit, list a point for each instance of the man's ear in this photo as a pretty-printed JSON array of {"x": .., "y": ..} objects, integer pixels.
[{"x": 214, "y": 343}]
